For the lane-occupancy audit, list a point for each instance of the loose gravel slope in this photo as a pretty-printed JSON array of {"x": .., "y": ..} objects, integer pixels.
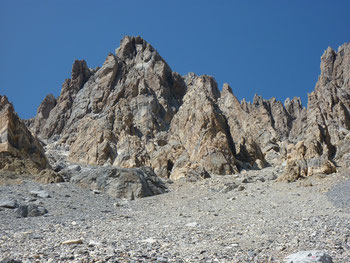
[{"x": 244, "y": 218}]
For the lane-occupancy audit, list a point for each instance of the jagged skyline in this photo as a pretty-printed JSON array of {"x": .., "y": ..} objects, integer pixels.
[
  {"x": 225, "y": 181},
  {"x": 269, "y": 48}
]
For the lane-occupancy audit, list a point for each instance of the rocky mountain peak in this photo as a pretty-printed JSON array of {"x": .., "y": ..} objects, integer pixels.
[
  {"x": 80, "y": 72},
  {"x": 132, "y": 47},
  {"x": 327, "y": 63},
  {"x": 226, "y": 89},
  {"x": 115, "y": 130},
  {"x": 204, "y": 85},
  {"x": 228, "y": 99},
  {"x": 293, "y": 107},
  {"x": 258, "y": 100},
  {"x": 20, "y": 151},
  {"x": 47, "y": 105},
  {"x": 135, "y": 111},
  {"x": 79, "y": 76},
  {"x": 4, "y": 102}
]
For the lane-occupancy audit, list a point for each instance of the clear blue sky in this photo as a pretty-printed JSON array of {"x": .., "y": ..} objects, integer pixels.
[{"x": 271, "y": 48}]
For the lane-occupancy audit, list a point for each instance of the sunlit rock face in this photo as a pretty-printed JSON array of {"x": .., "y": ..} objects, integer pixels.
[
  {"x": 20, "y": 151},
  {"x": 135, "y": 111}
]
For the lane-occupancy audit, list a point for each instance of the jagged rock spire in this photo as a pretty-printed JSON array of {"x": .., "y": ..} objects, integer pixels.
[
  {"x": 135, "y": 111},
  {"x": 20, "y": 151}
]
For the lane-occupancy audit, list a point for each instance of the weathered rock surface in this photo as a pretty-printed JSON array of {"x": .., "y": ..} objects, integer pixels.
[
  {"x": 43, "y": 113},
  {"x": 40, "y": 193},
  {"x": 30, "y": 210},
  {"x": 116, "y": 110},
  {"x": 201, "y": 129},
  {"x": 52, "y": 115},
  {"x": 309, "y": 257},
  {"x": 324, "y": 126},
  {"x": 49, "y": 176},
  {"x": 135, "y": 111},
  {"x": 203, "y": 221},
  {"x": 10, "y": 261},
  {"x": 122, "y": 182},
  {"x": 8, "y": 203},
  {"x": 20, "y": 151}
]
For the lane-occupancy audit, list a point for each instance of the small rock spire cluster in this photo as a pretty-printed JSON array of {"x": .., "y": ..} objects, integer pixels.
[{"x": 134, "y": 111}]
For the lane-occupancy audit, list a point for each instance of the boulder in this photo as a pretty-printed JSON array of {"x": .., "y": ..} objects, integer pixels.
[
  {"x": 309, "y": 257},
  {"x": 49, "y": 176},
  {"x": 30, "y": 210},
  {"x": 128, "y": 183},
  {"x": 40, "y": 193},
  {"x": 8, "y": 203}
]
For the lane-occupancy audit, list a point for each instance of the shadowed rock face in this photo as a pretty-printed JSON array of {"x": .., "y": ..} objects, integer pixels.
[
  {"x": 135, "y": 111},
  {"x": 20, "y": 151}
]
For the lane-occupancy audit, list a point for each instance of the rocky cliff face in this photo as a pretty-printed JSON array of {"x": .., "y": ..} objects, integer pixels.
[
  {"x": 20, "y": 151},
  {"x": 258, "y": 129},
  {"x": 329, "y": 104},
  {"x": 202, "y": 131},
  {"x": 135, "y": 111},
  {"x": 321, "y": 133},
  {"x": 108, "y": 115},
  {"x": 127, "y": 113}
]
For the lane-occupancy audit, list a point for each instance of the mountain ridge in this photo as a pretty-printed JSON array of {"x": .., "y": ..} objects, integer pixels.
[{"x": 135, "y": 111}]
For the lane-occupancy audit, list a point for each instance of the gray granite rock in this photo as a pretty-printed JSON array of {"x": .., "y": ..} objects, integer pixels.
[
  {"x": 8, "y": 203},
  {"x": 309, "y": 257},
  {"x": 30, "y": 210},
  {"x": 40, "y": 193},
  {"x": 129, "y": 183}
]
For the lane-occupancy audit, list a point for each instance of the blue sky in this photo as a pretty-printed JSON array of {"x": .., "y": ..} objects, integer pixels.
[{"x": 271, "y": 48}]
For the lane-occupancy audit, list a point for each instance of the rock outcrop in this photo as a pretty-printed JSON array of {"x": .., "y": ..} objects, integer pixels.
[
  {"x": 123, "y": 114},
  {"x": 121, "y": 182},
  {"x": 324, "y": 127},
  {"x": 52, "y": 115},
  {"x": 43, "y": 113},
  {"x": 309, "y": 256},
  {"x": 135, "y": 111},
  {"x": 20, "y": 151},
  {"x": 202, "y": 130}
]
